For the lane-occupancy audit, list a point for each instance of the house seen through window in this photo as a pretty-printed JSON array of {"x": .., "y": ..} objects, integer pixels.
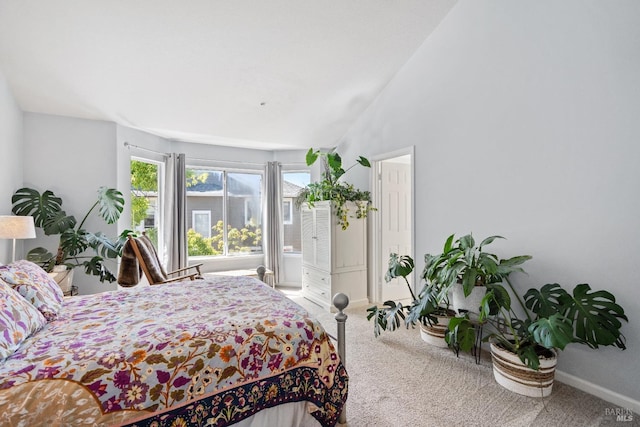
[
  {"x": 292, "y": 183},
  {"x": 224, "y": 212},
  {"x": 217, "y": 200}
]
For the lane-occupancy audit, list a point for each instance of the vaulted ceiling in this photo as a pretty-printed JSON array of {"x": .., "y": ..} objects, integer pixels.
[{"x": 269, "y": 74}]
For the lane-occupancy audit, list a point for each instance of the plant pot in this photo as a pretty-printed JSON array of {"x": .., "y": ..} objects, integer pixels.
[
  {"x": 515, "y": 376},
  {"x": 63, "y": 278},
  {"x": 471, "y": 303},
  {"x": 434, "y": 334}
]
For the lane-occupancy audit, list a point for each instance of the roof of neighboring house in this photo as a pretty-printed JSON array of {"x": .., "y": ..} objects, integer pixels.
[
  {"x": 289, "y": 189},
  {"x": 236, "y": 186}
]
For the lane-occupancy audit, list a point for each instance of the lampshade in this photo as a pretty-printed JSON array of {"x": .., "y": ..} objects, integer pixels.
[{"x": 17, "y": 227}]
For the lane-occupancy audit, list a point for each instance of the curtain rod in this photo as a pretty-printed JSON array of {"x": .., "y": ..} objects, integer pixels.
[
  {"x": 129, "y": 145},
  {"x": 224, "y": 161},
  {"x": 242, "y": 162}
]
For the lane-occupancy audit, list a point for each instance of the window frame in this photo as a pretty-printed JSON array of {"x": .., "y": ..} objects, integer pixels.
[
  {"x": 225, "y": 171},
  {"x": 291, "y": 170},
  {"x": 159, "y": 220}
]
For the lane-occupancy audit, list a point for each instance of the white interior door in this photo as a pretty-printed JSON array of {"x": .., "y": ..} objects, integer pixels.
[{"x": 395, "y": 222}]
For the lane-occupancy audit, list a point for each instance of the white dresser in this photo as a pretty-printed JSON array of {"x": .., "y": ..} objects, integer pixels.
[{"x": 333, "y": 260}]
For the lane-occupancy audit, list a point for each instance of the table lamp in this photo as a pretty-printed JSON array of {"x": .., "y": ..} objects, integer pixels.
[{"x": 16, "y": 227}]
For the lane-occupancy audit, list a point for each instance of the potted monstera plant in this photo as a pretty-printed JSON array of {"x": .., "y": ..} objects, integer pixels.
[
  {"x": 467, "y": 268},
  {"x": 74, "y": 240},
  {"x": 430, "y": 308},
  {"x": 524, "y": 348},
  {"x": 344, "y": 196}
]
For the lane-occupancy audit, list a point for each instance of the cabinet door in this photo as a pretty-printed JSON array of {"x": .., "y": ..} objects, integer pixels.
[
  {"x": 323, "y": 238},
  {"x": 308, "y": 245}
]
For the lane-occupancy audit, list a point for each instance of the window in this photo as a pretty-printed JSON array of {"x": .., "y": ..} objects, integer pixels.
[
  {"x": 292, "y": 183},
  {"x": 201, "y": 221},
  {"x": 287, "y": 211},
  {"x": 144, "y": 197},
  {"x": 248, "y": 212},
  {"x": 228, "y": 204}
]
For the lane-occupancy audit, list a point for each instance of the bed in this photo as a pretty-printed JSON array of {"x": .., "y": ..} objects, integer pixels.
[{"x": 218, "y": 351}]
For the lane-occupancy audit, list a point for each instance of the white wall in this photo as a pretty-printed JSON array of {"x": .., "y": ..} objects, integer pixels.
[
  {"x": 524, "y": 117},
  {"x": 11, "y": 170},
  {"x": 72, "y": 158}
]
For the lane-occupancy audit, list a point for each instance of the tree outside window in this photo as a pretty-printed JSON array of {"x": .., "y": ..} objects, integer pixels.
[{"x": 144, "y": 198}]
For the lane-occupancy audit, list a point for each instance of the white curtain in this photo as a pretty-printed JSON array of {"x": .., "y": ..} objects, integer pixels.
[
  {"x": 175, "y": 210},
  {"x": 272, "y": 210}
]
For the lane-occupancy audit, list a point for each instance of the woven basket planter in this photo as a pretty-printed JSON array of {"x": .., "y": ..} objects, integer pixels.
[
  {"x": 512, "y": 374},
  {"x": 434, "y": 334}
]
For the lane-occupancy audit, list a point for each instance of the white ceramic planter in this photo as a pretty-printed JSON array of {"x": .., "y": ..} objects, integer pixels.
[
  {"x": 63, "y": 277},
  {"x": 434, "y": 334},
  {"x": 471, "y": 303},
  {"x": 513, "y": 375}
]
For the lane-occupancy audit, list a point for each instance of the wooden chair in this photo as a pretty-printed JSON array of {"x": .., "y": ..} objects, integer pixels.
[{"x": 152, "y": 268}]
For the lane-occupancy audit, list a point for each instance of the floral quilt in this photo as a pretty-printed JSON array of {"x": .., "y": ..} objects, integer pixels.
[{"x": 207, "y": 352}]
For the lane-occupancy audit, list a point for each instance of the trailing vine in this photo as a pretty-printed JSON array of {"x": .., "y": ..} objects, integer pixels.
[{"x": 332, "y": 189}]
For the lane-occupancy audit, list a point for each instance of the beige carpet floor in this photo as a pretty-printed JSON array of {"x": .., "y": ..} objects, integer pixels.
[{"x": 399, "y": 380}]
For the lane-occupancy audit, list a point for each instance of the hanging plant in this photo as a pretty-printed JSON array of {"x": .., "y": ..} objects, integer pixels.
[{"x": 331, "y": 188}]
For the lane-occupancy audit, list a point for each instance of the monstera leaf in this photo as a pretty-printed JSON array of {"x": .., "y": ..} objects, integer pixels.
[
  {"x": 587, "y": 317},
  {"x": 427, "y": 304},
  {"x": 597, "y": 317},
  {"x": 111, "y": 204},
  {"x": 42, "y": 207},
  {"x": 550, "y": 299},
  {"x": 58, "y": 223},
  {"x": 74, "y": 242},
  {"x": 388, "y": 317},
  {"x": 399, "y": 266},
  {"x": 555, "y": 331}
]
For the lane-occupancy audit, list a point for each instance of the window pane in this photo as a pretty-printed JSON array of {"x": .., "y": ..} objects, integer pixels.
[
  {"x": 202, "y": 223},
  {"x": 292, "y": 183},
  {"x": 244, "y": 220},
  {"x": 287, "y": 211},
  {"x": 205, "y": 194},
  {"x": 209, "y": 211},
  {"x": 144, "y": 198}
]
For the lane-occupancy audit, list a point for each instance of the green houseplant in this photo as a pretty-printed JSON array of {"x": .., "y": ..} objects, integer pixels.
[
  {"x": 331, "y": 188},
  {"x": 467, "y": 267},
  {"x": 430, "y": 308},
  {"x": 553, "y": 318},
  {"x": 48, "y": 214}
]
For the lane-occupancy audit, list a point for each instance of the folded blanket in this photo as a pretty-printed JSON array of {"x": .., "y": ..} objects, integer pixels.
[{"x": 129, "y": 272}]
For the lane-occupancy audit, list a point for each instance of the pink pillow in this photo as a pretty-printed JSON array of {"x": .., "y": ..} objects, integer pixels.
[
  {"x": 18, "y": 320},
  {"x": 35, "y": 285}
]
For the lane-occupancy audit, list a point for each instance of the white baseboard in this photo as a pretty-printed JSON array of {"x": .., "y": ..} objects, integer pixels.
[
  {"x": 289, "y": 285},
  {"x": 598, "y": 391},
  {"x": 363, "y": 302},
  {"x": 358, "y": 303}
]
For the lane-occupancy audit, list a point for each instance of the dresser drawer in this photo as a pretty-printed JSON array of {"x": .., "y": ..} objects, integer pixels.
[
  {"x": 316, "y": 286},
  {"x": 316, "y": 277}
]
